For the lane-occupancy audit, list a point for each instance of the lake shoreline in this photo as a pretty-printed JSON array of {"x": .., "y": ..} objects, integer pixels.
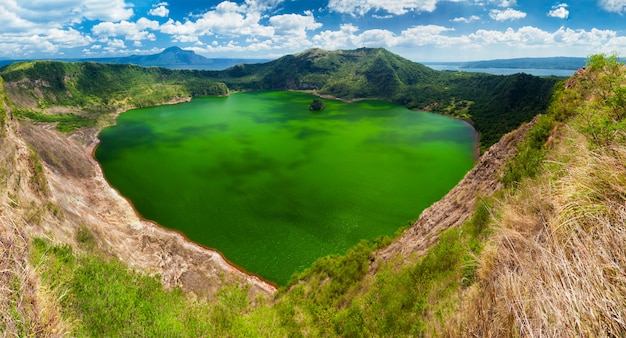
[
  {"x": 477, "y": 152},
  {"x": 409, "y": 128},
  {"x": 269, "y": 286}
]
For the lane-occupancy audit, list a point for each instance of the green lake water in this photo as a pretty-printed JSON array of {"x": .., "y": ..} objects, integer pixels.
[{"x": 273, "y": 186}]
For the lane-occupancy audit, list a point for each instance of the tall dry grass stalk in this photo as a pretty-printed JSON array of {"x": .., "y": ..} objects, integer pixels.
[
  {"x": 556, "y": 265},
  {"x": 25, "y": 308}
]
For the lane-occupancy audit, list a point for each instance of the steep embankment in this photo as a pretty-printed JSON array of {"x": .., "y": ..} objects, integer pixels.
[
  {"x": 556, "y": 264},
  {"x": 528, "y": 245},
  {"x": 52, "y": 188},
  {"x": 55, "y": 190},
  {"x": 494, "y": 104}
]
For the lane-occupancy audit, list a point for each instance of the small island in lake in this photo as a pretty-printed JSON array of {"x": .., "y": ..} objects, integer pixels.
[{"x": 317, "y": 105}]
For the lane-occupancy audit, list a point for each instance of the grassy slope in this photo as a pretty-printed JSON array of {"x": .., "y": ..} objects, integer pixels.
[
  {"x": 556, "y": 264},
  {"x": 544, "y": 256},
  {"x": 89, "y": 91},
  {"x": 494, "y": 104}
]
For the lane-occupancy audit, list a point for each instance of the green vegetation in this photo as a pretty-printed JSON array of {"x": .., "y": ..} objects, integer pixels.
[
  {"x": 553, "y": 265},
  {"x": 543, "y": 257},
  {"x": 603, "y": 113},
  {"x": 64, "y": 122},
  {"x": 317, "y": 105},
  {"x": 100, "y": 296},
  {"x": 92, "y": 89},
  {"x": 494, "y": 104},
  {"x": 530, "y": 152}
]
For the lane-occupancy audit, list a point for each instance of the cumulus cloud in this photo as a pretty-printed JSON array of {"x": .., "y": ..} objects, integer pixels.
[
  {"x": 159, "y": 9},
  {"x": 498, "y": 3},
  {"x": 349, "y": 36},
  {"x": 507, "y": 14},
  {"x": 559, "y": 11},
  {"x": 226, "y": 19},
  {"x": 615, "y": 6},
  {"x": 46, "y": 14},
  {"x": 135, "y": 31},
  {"x": 49, "y": 41},
  {"x": 330, "y": 39},
  {"x": 466, "y": 20},
  {"x": 505, "y": 3},
  {"x": 396, "y": 7},
  {"x": 294, "y": 24}
]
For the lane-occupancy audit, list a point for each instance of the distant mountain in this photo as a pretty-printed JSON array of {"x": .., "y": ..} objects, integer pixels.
[
  {"x": 349, "y": 74},
  {"x": 494, "y": 104},
  {"x": 175, "y": 57},
  {"x": 569, "y": 63}
]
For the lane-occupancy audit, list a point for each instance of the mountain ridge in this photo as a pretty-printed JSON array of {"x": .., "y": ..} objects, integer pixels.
[
  {"x": 171, "y": 57},
  {"x": 364, "y": 73},
  {"x": 527, "y": 244}
]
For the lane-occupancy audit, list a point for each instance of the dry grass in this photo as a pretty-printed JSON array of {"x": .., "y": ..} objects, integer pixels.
[
  {"x": 26, "y": 309},
  {"x": 556, "y": 265},
  {"x": 18, "y": 308}
]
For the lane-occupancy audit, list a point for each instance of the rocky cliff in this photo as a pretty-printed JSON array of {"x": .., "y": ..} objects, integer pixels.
[{"x": 54, "y": 187}]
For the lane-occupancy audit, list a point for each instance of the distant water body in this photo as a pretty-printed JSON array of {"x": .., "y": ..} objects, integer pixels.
[
  {"x": 504, "y": 71},
  {"x": 274, "y": 186}
]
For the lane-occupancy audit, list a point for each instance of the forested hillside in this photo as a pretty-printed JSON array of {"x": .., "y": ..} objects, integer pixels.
[
  {"x": 528, "y": 244},
  {"x": 494, "y": 104}
]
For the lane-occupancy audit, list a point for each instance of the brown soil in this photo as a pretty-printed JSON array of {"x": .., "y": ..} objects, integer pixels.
[{"x": 80, "y": 195}]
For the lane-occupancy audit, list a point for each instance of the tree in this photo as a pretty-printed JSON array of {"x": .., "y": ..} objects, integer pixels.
[{"x": 317, "y": 105}]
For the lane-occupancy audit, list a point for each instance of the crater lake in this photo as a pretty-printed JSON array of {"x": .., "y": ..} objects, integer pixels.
[{"x": 274, "y": 186}]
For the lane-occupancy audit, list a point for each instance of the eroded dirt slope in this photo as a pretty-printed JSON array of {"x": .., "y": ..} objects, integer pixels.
[{"x": 55, "y": 187}]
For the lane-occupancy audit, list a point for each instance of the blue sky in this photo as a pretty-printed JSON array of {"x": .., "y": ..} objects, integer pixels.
[{"x": 421, "y": 30}]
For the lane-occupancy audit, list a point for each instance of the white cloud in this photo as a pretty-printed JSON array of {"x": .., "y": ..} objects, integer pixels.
[
  {"x": 349, "y": 36},
  {"x": 425, "y": 35},
  {"x": 114, "y": 46},
  {"x": 481, "y": 44},
  {"x": 397, "y": 7},
  {"x": 343, "y": 38},
  {"x": 498, "y": 3},
  {"x": 67, "y": 38},
  {"x": 135, "y": 31},
  {"x": 466, "y": 20},
  {"x": 532, "y": 37},
  {"x": 49, "y": 41},
  {"x": 616, "y": 6},
  {"x": 376, "y": 38},
  {"x": 160, "y": 10},
  {"x": 559, "y": 11},
  {"x": 294, "y": 24},
  {"x": 45, "y": 14},
  {"x": 228, "y": 19},
  {"x": 10, "y": 21},
  {"x": 505, "y": 3},
  {"x": 262, "y": 5},
  {"x": 105, "y": 10},
  {"x": 507, "y": 14}
]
